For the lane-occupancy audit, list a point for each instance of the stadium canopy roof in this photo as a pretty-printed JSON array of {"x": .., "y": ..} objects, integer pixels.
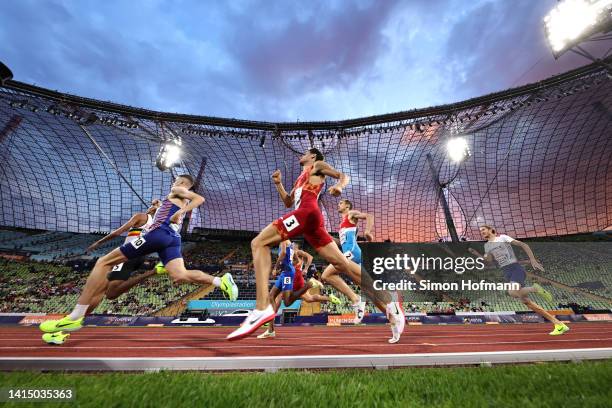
[{"x": 540, "y": 162}]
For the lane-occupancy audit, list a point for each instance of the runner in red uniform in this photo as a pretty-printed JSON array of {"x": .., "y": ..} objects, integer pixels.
[{"x": 306, "y": 220}]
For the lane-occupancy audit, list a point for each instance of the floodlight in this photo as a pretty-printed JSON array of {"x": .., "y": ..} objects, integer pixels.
[
  {"x": 573, "y": 21},
  {"x": 169, "y": 155},
  {"x": 457, "y": 149}
]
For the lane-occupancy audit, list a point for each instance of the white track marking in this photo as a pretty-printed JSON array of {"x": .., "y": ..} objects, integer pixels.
[
  {"x": 296, "y": 362},
  {"x": 226, "y": 347}
]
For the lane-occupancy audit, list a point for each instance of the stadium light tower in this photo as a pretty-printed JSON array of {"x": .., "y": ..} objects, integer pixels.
[
  {"x": 458, "y": 151},
  {"x": 573, "y": 22}
]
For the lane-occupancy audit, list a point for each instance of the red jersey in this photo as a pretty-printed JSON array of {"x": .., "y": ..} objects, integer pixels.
[
  {"x": 306, "y": 219},
  {"x": 305, "y": 193},
  {"x": 346, "y": 222},
  {"x": 298, "y": 279}
]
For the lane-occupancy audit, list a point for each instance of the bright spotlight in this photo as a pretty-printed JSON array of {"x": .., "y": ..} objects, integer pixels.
[
  {"x": 572, "y": 21},
  {"x": 169, "y": 155},
  {"x": 458, "y": 149}
]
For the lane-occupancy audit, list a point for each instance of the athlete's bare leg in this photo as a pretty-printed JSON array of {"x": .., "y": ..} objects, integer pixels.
[
  {"x": 179, "y": 274},
  {"x": 310, "y": 298},
  {"x": 290, "y": 296},
  {"x": 340, "y": 263},
  {"x": 94, "y": 303},
  {"x": 534, "y": 306},
  {"x": 330, "y": 276},
  {"x": 262, "y": 262},
  {"x": 118, "y": 287},
  {"x": 97, "y": 280},
  {"x": 274, "y": 300}
]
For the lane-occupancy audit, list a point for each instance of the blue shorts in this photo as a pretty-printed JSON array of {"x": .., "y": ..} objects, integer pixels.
[
  {"x": 285, "y": 280},
  {"x": 353, "y": 254},
  {"x": 165, "y": 242},
  {"x": 515, "y": 273}
]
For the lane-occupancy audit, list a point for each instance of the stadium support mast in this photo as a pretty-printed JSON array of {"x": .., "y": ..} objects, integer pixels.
[{"x": 450, "y": 224}]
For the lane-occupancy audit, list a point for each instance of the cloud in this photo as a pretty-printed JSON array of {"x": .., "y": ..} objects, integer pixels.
[
  {"x": 328, "y": 49},
  {"x": 280, "y": 61}
]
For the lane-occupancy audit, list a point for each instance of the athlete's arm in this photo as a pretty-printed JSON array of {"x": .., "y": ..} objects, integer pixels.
[
  {"x": 325, "y": 169},
  {"x": 534, "y": 262},
  {"x": 305, "y": 255},
  {"x": 488, "y": 258},
  {"x": 287, "y": 198},
  {"x": 358, "y": 215},
  {"x": 137, "y": 220},
  {"x": 195, "y": 200},
  {"x": 281, "y": 256}
]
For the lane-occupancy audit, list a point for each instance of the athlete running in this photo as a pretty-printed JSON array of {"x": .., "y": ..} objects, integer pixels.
[
  {"x": 347, "y": 233},
  {"x": 499, "y": 248},
  {"x": 307, "y": 220},
  {"x": 120, "y": 279},
  {"x": 161, "y": 236},
  {"x": 290, "y": 283}
]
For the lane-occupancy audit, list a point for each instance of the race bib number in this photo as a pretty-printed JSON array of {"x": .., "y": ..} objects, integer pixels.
[
  {"x": 349, "y": 255},
  {"x": 291, "y": 223},
  {"x": 117, "y": 268},
  {"x": 287, "y": 280},
  {"x": 297, "y": 196},
  {"x": 138, "y": 242}
]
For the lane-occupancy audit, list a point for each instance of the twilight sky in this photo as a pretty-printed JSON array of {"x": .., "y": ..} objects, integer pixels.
[{"x": 279, "y": 60}]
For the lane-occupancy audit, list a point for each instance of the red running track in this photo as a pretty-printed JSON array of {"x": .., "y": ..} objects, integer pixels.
[{"x": 155, "y": 342}]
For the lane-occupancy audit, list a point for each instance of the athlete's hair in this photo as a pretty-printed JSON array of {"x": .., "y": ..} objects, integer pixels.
[
  {"x": 190, "y": 178},
  {"x": 489, "y": 227},
  {"x": 317, "y": 153},
  {"x": 348, "y": 202}
]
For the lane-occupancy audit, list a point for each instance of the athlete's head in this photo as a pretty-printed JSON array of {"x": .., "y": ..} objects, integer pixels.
[
  {"x": 311, "y": 156},
  {"x": 487, "y": 232},
  {"x": 184, "y": 180},
  {"x": 154, "y": 206},
  {"x": 344, "y": 206}
]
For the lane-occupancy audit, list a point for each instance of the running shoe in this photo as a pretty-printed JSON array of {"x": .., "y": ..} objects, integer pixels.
[
  {"x": 253, "y": 322},
  {"x": 229, "y": 287},
  {"x": 160, "y": 269},
  {"x": 267, "y": 335},
  {"x": 55, "y": 338},
  {"x": 544, "y": 294},
  {"x": 359, "y": 312},
  {"x": 64, "y": 324},
  {"x": 396, "y": 316},
  {"x": 559, "y": 329},
  {"x": 315, "y": 283},
  {"x": 334, "y": 299}
]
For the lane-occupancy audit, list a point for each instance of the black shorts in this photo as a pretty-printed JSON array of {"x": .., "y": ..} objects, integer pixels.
[{"x": 124, "y": 271}]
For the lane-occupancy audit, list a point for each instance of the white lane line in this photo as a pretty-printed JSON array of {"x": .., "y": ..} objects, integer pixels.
[
  {"x": 328, "y": 356},
  {"x": 273, "y": 363},
  {"x": 283, "y": 336},
  {"x": 205, "y": 347}
]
